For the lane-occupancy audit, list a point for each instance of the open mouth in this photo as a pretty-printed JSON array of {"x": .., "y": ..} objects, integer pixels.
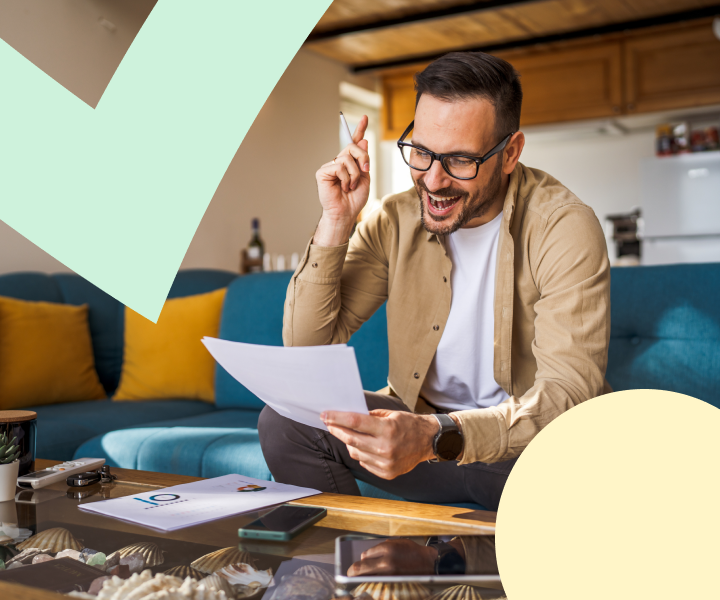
[{"x": 440, "y": 205}]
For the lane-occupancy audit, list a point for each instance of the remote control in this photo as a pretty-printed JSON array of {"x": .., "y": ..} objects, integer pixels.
[{"x": 60, "y": 472}]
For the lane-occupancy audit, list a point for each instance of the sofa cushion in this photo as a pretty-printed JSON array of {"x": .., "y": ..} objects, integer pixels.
[
  {"x": 209, "y": 445},
  {"x": 666, "y": 330},
  {"x": 253, "y": 313},
  {"x": 168, "y": 359},
  {"x": 64, "y": 427},
  {"x": 46, "y": 354}
]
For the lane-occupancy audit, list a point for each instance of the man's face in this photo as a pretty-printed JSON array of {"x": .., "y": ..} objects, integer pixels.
[{"x": 459, "y": 127}]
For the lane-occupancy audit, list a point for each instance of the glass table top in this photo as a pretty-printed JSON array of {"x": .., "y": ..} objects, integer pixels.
[{"x": 303, "y": 568}]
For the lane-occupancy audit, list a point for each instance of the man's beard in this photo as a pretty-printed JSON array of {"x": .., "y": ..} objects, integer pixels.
[{"x": 471, "y": 207}]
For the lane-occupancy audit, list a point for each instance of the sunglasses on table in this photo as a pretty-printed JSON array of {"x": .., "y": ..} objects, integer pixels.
[{"x": 459, "y": 166}]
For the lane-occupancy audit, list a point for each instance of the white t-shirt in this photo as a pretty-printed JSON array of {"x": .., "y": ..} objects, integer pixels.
[{"x": 461, "y": 374}]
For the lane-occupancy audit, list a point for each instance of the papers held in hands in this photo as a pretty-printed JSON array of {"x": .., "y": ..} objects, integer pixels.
[
  {"x": 198, "y": 502},
  {"x": 298, "y": 383}
]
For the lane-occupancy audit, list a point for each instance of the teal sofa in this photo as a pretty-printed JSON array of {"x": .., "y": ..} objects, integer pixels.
[{"x": 665, "y": 335}]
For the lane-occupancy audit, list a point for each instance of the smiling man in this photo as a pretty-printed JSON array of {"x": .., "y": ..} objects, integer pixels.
[{"x": 497, "y": 285}]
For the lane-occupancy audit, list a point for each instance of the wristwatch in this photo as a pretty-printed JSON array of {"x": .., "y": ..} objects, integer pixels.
[
  {"x": 448, "y": 442},
  {"x": 448, "y": 561}
]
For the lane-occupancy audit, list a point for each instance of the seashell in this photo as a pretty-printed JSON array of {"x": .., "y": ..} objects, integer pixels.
[
  {"x": 116, "y": 588},
  {"x": 55, "y": 540},
  {"x": 213, "y": 562},
  {"x": 192, "y": 590},
  {"x": 315, "y": 572},
  {"x": 393, "y": 591},
  {"x": 6, "y": 539},
  {"x": 184, "y": 571},
  {"x": 156, "y": 584},
  {"x": 307, "y": 588},
  {"x": 26, "y": 556},
  {"x": 161, "y": 587},
  {"x": 243, "y": 574},
  {"x": 219, "y": 584},
  {"x": 459, "y": 592},
  {"x": 150, "y": 552}
]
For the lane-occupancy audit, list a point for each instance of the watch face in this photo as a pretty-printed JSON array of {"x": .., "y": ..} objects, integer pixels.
[{"x": 450, "y": 445}]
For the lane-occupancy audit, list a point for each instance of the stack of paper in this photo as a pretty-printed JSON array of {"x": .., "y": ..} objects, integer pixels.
[{"x": 298, "y": 383}]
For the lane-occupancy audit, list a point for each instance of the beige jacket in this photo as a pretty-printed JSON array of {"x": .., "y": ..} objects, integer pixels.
[{"x": 552, "y": 306}]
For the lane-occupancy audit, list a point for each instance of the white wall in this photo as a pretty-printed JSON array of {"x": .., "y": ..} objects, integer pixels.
[
  {"x": 270, "y": 177},
  {"x": 602, "y": 170}
]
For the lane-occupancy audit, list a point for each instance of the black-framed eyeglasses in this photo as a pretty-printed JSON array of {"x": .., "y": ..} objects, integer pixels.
[{"x": 459, "y": 166}]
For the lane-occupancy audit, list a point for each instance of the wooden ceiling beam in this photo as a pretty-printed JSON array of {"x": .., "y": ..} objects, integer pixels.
[
  {"x": 425, "y": 15},
  {"x": 676, "y": 17}
]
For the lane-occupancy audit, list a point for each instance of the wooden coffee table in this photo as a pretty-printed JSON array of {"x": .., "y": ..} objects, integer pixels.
[{"x": 346, "y": 514}]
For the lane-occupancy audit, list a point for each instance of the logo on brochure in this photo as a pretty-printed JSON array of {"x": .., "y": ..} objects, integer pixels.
[
  {"x": 157, "y": 498},
  {"x": 251, "y": 487}
]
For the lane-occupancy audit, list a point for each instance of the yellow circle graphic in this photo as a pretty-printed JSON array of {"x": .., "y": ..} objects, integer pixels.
[{"x": 617, "y": 498}]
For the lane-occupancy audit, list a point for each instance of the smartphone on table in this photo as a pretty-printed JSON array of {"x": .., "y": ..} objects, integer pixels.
[{"x": 283, "y": 522}]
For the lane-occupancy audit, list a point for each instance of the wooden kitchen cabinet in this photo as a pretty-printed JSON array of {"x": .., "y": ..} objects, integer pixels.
[
  {"x": 398, "y": 104},
  {"x": 567, "y": 84},
  {"x": 679, "y": 68}
]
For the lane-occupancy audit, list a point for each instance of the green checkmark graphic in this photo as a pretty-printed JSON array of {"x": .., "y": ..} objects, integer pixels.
[{"x": 117, "y": 192}]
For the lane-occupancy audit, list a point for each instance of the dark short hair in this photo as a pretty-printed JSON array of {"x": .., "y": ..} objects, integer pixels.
[{"x": 465, "y": 75}]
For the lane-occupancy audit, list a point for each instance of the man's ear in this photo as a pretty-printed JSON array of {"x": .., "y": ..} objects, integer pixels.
[{"x": 512, "y": 152}]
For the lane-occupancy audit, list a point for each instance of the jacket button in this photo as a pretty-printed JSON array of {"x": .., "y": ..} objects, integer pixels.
[
  {"x": 445, "y": 279},
  {"x": 314, "y": 265},
  {"x": 416, "y": 375},
  {"x": 436, "y": 327}
]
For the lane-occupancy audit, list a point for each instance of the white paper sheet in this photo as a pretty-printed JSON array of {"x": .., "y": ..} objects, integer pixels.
[
  {"x": 299, "y": 382},
  {"x": 198, "y": 502}
]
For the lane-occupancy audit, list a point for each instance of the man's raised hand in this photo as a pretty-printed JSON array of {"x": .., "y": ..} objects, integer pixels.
[{"x": 343, "y": 188}]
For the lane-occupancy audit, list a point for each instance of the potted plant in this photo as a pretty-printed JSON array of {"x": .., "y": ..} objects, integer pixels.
[{"x": 9, "y": 464}]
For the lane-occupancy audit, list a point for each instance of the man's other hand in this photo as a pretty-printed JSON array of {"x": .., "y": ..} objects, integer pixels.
[{"x": 388, "y": 443}]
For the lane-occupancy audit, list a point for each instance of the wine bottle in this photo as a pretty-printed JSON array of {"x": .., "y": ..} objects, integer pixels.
[{"x": 255, "y": 249}]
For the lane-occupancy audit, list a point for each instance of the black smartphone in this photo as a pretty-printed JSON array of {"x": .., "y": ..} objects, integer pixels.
[{"x": 283, "y": 522}]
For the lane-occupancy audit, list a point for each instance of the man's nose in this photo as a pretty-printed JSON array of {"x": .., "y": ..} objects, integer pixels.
[{"x": 436, "y": 178}]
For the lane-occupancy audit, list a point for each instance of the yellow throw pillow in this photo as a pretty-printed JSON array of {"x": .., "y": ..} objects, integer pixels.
[
  {"x": 46, "y": 354},
  {"x": 168, "y": 360}
]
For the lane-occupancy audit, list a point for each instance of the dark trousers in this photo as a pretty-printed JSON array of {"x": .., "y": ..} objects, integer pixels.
[{"x": 304, "y": 456}]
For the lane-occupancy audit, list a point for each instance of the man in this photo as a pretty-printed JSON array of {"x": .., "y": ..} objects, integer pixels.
[{"x": 498, "y": 301}]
